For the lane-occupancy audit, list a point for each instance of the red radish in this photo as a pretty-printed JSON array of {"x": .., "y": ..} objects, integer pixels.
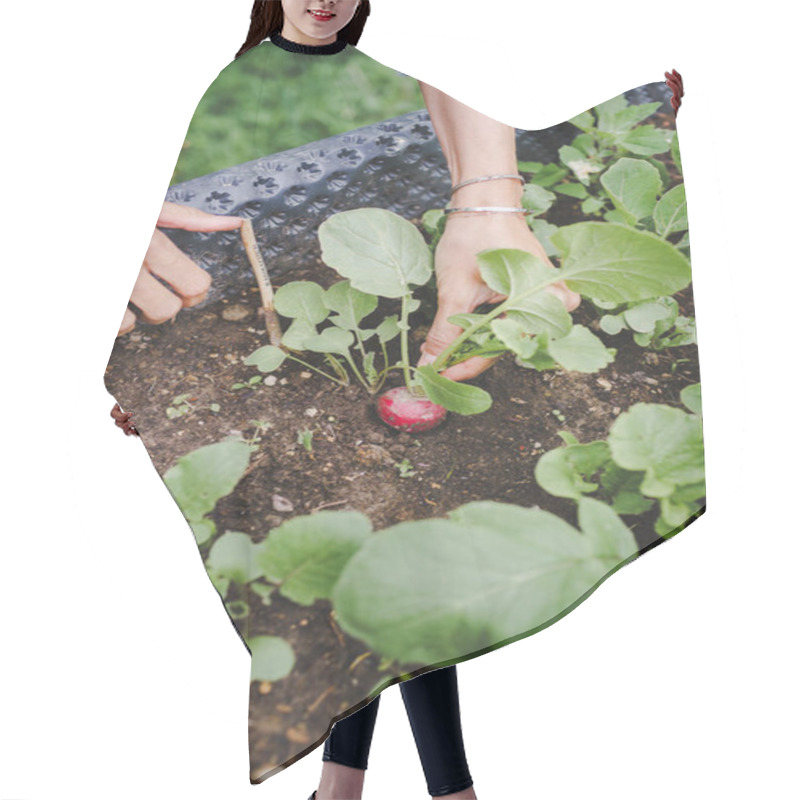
[{"x": 402, "y": 410}]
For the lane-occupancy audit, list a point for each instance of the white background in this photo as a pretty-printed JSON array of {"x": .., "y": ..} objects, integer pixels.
[{"x": 121, "y": 674}]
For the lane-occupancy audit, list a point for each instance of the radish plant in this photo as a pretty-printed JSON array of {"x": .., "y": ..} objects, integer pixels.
[
  {"x": 380, "y": 254},
  {"x": 653, "y": 454}
]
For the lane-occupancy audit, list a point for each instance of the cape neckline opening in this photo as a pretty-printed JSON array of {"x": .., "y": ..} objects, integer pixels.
[{"x": 309, "y": 49}]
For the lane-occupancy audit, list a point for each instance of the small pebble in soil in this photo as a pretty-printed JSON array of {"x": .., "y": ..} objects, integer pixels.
[
  {"x": 376, "y": 437},
  {"x": 311, "y": 412},
  {"x": 270, "y": 380},
  {"x": 280, "y": 503},
  {"x": 235, "y": 313},
  {"x": 616, "y": 410},
  {"x": 305, "y": 375},
  {"x": 283, "y": 381}
]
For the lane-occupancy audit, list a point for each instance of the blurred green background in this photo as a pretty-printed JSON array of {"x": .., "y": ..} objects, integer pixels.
[{"x": 298, "y": 100}]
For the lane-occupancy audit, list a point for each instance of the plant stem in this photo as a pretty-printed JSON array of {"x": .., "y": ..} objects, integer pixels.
[
  {"x": 360, "y": 343},
  {"x": 340, "y": 370},
  {"x": 385, "y": 369},
  {"x": 404, "y": 341},
  {"x": 352, "y": 363},
  {"x": 495, "y": 312},
  {"x": 305, "y": 364}
]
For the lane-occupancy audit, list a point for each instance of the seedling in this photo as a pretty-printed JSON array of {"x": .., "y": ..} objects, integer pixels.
[
  {"x": 306, "y": 439},
  {"x": 405, "y": 468},
  {"x": 182, "y": 404},
  {"x": 250, "y": 384}
]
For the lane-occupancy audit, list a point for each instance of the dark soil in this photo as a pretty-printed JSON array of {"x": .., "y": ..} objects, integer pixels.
[{"x": 354, "y": 462}]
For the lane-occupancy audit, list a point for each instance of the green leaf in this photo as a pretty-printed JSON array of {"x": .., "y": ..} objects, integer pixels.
[
  {"x": 690, "y": 397},
  {"x": 272, "y": 658},
  {"x": 203, "y": 529},
  {"x": 307, "y": 553},
  {"x": 670, "y": 212},
  {"x": 200, "y": 478},
  {"x": 611, "y": 539},
  {"x": 303, "y": 300},
  {"x": 537, "y": 198},
  {"x": 510, "y": 572},
  {"x": 581, "y": 351},
  {"x": 433, "y": 220},
  {"x": 466, "y": 319},
  {"x": 388, "y": 329},
  {"x": 233, "y": 556},
  {"x": 584, "y": 120},
  {"x": 543, "y": 230},
  {"x": 572, "y": 190},
  {"x": 529, "y": 166},
  {"x": 643, "y": 316},
  {"x": 610, "y": 262},
  {"x": 665, "y": 442},
  {"x": 379, "y": 251},
  {"x": 585, "y": 143},
  {"x": 675, "y": 151},
  {"x": 567, "y": 154},
  {"x": 645, "y": 140},
  {"x": 369, "y": 368},
  {"x": 620, "y": 120},
  {"x": 624, "y": 487},
  {"x": 633, "y": 185},
  {"x": 591, "y": 205},
  {"x": 330, "y": 340},
  {"x": 607, "y": 111},
  {"x": 549, "y": 174},
  {"x": 297, "y": 333},
  {"x": 462, "y": 398},
  {"x": 267, "y": 358},
  {"x": 565, "y": 471},
  {"x": 517, "y": 274},
  {"x": 349, "y": 304},
  {"x": 611, "y": 324},
  {"x": 541, "y": 359},
  {"x": 514, "y": 336}
]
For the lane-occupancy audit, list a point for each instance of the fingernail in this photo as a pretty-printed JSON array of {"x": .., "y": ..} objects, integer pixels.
[{"x": 426, "y": 358}]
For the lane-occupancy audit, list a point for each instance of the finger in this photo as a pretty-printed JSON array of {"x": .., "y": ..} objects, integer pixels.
[
  {"x": 570, "y": 299},
  {"x": 128, "y": 322},
  {"x": 469, "y": 369},
  {"x": 441, "y": 333},
  {"x": 175, "y": 215},
  {"x": 165, "y": 259},
  {"x": 153, "y": 299}
]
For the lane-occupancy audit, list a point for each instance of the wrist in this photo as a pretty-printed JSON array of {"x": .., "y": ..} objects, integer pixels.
[{"x": 501, "y": 192}]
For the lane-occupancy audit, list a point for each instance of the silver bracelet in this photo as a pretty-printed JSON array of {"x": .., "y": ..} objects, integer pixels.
[
  {"x": 491, "y": 210},
  {"x": 486, "y": 178}
]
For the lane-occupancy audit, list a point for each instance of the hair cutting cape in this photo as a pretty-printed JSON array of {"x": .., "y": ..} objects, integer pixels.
[{"x": 350, "y": 554}]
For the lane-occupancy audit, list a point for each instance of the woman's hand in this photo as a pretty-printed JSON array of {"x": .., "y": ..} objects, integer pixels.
[
  {"x": 460, "y": 285},
  {"x": 189, "y": 283}
]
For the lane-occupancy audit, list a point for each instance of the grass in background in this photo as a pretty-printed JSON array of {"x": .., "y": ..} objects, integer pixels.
[{"x": 231, "y": 125}]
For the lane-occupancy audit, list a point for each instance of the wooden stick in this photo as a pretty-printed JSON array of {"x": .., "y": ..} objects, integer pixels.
[{"x": 264, "y": 285}]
